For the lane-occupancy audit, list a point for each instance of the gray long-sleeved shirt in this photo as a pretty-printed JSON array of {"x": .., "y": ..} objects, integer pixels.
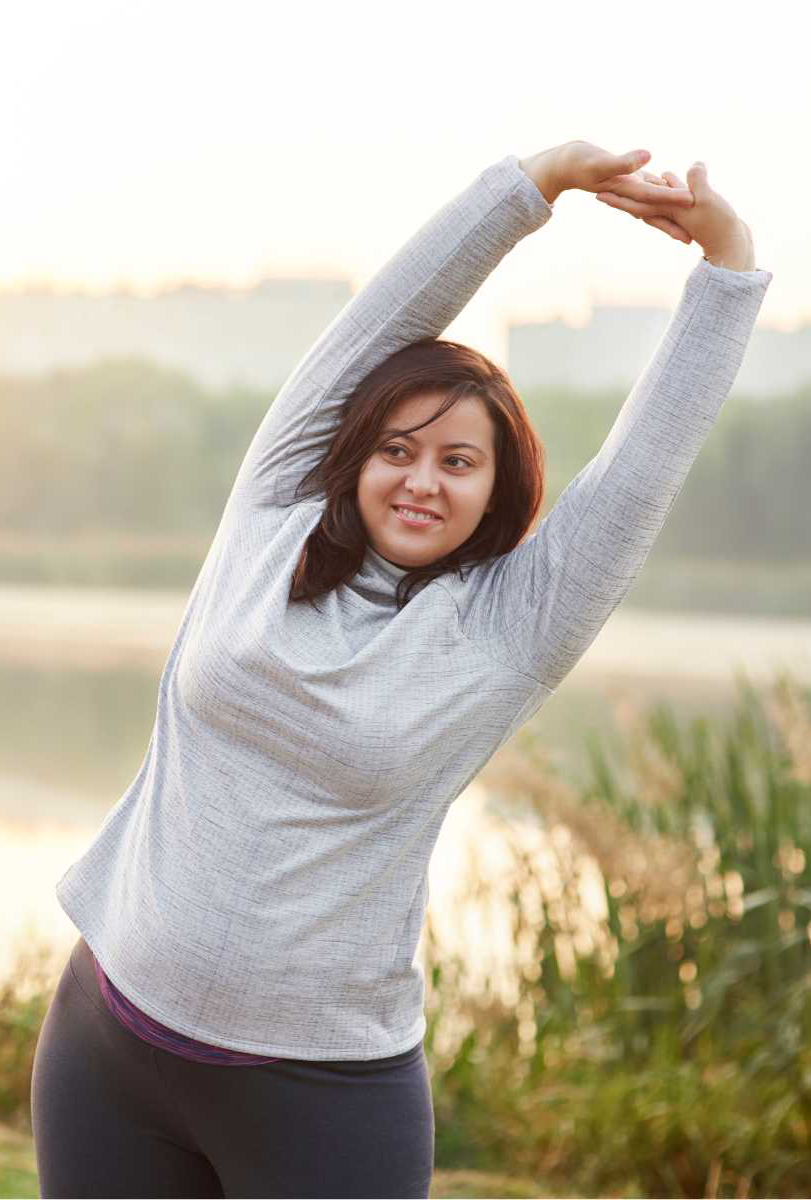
[{"x": 262, "y": 882}]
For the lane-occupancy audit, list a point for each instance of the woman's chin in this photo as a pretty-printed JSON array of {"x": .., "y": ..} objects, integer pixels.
[{"x": 407, "y": 558}]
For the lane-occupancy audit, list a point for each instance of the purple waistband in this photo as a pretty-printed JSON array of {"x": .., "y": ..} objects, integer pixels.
[{"x": 150, "y": 1030}]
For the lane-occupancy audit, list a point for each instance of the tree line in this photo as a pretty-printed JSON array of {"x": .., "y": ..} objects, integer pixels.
[{"x": 126, "y": 445}]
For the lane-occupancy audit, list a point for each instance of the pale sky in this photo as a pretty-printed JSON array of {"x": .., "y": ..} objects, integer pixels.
[{"x": 153, "y": 142}]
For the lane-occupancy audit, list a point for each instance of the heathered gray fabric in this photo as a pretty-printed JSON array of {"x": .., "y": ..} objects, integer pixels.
[{"x": 262, "y": 882}]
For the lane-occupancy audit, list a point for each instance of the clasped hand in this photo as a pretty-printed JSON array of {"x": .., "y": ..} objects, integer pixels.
[{"x": 685, "y": 211}]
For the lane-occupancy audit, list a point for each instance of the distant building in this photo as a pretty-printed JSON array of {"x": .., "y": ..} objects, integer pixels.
[
  {"x": 252, "y": 336},
  {"x": 257, "y": 335},
  {"x": 619, "y": 342}
]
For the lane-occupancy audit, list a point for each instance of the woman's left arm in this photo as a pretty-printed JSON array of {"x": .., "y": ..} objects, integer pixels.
[
  {"x": 539, "y": 608},
  {"x": 416, "y": 294}
]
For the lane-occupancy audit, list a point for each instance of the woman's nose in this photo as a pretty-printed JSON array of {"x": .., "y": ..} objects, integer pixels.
[{"x": 423, "y": 482}]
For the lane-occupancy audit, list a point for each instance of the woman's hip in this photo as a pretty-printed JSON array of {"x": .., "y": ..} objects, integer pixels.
[{"x": 290, "y": 1127}]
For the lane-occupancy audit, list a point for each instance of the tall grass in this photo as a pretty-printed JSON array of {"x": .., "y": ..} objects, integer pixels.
[
  {"x": 24, "y": 998},
  {"x": 659, "y": 1045}
]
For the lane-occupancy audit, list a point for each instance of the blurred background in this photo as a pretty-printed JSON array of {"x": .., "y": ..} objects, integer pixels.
[{"x": 190, "y": 193}]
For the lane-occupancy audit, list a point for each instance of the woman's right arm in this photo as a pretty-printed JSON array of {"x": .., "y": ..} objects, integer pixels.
[
  {"x": 416, "y": 294},
  {"x": 539, "y": 607}
]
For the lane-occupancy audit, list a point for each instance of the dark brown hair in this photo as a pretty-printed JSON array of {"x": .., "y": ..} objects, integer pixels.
[{"x": 334, "y": 551}]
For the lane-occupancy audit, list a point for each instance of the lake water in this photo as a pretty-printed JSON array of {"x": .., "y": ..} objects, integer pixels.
[{"x": 79, "y": 670}]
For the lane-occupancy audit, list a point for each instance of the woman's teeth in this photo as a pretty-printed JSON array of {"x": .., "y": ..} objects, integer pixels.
[{"x": 415, "y": 516}]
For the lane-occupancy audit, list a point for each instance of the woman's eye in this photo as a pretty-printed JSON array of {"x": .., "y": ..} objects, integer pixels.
[{"x": 451, "y": 457}]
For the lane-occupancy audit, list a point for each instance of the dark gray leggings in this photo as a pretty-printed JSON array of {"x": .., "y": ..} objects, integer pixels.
[{"x": 115, "y": 1116}]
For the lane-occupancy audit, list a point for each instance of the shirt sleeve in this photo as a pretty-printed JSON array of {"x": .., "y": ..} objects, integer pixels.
[
  {"x": 538, "y": 608},
  {"x": 416, "y": 294}
]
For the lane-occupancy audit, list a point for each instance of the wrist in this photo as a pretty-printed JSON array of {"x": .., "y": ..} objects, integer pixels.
[
  {"x": 736, "y": 254},
  {"x": 732, "y": 261},
  {"x": 543, "y": 170}
]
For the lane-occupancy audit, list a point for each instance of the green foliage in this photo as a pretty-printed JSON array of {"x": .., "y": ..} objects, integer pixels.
[
  {"x": 747, "y": 494},
  {"x": 128, "y": 446},
  {"x": 122, "y": 445}
]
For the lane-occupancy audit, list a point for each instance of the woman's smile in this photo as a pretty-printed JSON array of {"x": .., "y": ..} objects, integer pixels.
[{"x": 412, "y": 521}]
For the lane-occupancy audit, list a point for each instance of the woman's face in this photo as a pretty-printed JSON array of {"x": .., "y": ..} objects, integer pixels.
[{"x": 428, "y": 470}]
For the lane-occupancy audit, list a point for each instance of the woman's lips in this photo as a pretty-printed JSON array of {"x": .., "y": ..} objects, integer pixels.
[{"x": 416, "y": 524}]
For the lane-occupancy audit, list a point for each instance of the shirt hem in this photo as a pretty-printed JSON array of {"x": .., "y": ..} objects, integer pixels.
[{"x": 211, "y": 1037}]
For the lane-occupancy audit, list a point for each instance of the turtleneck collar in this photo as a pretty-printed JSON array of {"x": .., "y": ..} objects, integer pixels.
[
  {"x": 382, "y": 564},
  {"x": 377, "y": 578}
]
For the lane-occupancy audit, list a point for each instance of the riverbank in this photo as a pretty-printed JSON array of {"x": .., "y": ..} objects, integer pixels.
[
  {"x": 150, "y": 563},
  {"x": 96, "y": 628}
]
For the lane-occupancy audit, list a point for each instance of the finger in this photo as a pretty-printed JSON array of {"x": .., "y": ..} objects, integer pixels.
[
  {"x": 632, "y": 160},
  {"x": 668, "y": 183},
  {"x": 655, "y": 193},
  {"x": 629, "y": 205},
  {"x": 636, "y": 188},
  {"x": 697, "y": 180},
  {"x": 673, "y": 180},
  {"x": 648, "y": 214},
  {"x": 670, "y": 227}
]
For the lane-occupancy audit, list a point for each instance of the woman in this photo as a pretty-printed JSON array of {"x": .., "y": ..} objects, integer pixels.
[{"x": 243, "y": 1013}]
